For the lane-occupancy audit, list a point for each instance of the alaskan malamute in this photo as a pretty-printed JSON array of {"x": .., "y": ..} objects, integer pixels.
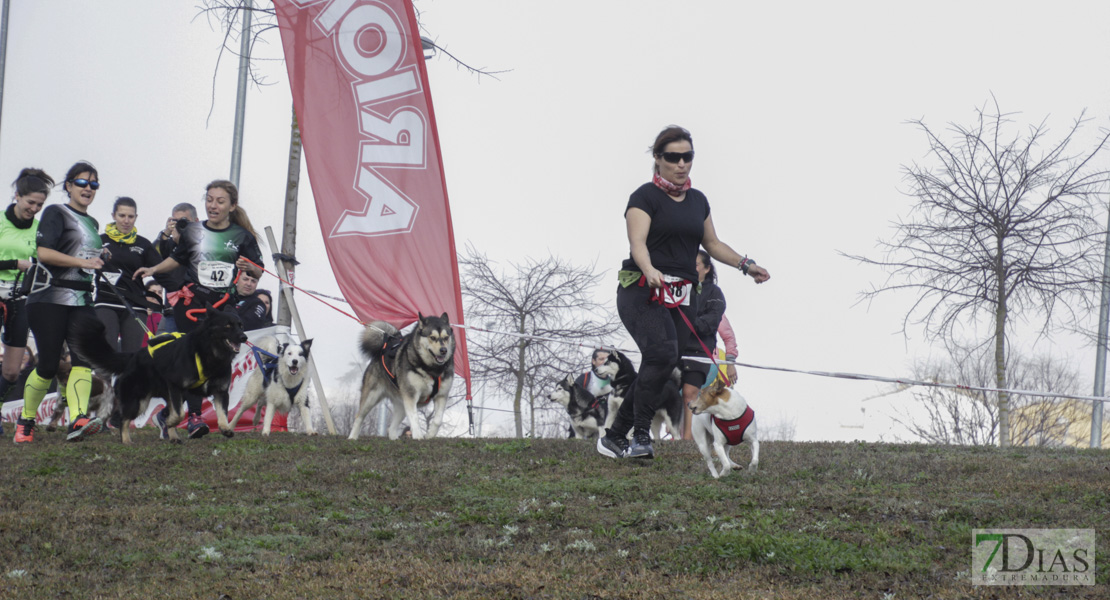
[{"x": 411, "y": 370}]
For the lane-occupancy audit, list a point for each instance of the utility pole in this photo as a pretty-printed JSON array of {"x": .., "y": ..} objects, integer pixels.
[
  {"x": 3, "y": 51},
  {"x": 289, "y": 224},
  {"x": 1100, "y": 351},
  {"x": 241, "y": 94}
]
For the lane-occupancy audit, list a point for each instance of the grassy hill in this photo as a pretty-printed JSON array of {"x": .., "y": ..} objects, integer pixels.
[{"x": 299, "y": 517}]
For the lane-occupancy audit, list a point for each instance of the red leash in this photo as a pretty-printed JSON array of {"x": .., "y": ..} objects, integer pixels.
[
  {"x": 675, "y": 304},
  {"x": 310, "y": 294}
]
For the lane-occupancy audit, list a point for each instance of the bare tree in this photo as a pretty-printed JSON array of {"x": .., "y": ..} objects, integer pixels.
[
  {"x": 969, "y": 417},
  {"x": 1004, "y": 226},
  {"x": 549, "y": 298},
  {"x": 226, "y": 16}
]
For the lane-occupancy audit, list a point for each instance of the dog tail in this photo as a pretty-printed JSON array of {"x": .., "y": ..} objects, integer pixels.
[
  {"x": 374, "y": 337},
  {"x": 267, "y": 343},
  {"x": 91, "y": 344}
]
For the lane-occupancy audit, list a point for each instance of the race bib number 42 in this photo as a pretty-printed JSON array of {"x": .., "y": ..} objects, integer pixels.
[{"x": 215, "y": 273}]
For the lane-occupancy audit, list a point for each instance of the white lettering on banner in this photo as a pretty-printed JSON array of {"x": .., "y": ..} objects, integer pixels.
[{"x": 394, "y": 141}]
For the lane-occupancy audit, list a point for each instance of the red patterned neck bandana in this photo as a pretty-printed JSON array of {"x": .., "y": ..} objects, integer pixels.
[{"x": 670, "y": 188}]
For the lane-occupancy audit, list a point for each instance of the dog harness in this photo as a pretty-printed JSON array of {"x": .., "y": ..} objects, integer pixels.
[
  {"x": 734, "y": 429},
  {"x": 586, "y": 384},
  {"x": 389, "y": 350},
  {"x": 168, "y": 338},
  {"x": 268, "y": 363}
]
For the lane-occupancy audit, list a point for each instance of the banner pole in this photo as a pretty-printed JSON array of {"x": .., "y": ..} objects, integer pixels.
[{"x": 288, "y": 293}]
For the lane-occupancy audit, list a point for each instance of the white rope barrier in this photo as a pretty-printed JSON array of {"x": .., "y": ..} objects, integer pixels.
[
  {"x": 854, "y": 376},
  {"x": 899, "y": 380}
]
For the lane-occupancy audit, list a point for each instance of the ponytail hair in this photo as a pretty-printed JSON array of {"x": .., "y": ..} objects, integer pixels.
[
  {"x": 238, "y": 216},
  {"x": 33, "y": 181}
]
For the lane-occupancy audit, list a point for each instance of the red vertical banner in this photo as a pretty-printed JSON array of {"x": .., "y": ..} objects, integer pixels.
[{"x": 356, "y": 68}]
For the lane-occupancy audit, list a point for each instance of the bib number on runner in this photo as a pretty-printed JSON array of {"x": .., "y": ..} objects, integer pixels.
[
  {"x": 215, "y": 274},
  {"x": 675, "y": 291},
  {"x": 86, "y": 254}
]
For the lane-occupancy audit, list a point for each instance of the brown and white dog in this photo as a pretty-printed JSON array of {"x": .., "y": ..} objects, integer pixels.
[{"x": 723, "y": 418}]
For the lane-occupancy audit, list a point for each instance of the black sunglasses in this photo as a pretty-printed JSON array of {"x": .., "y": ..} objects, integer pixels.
[
  {"x": 674, "y": 157},
  {"x": 85, "y": 183}
]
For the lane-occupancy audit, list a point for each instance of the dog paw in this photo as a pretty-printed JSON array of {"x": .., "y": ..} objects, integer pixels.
[{"x": 228, "y": 433}]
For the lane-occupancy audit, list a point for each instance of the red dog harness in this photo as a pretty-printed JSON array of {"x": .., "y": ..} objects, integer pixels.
[{"x": 734, "y": 429}]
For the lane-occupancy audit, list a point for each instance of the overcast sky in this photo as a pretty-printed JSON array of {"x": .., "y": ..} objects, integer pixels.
[{"x": 797, "y": 110}]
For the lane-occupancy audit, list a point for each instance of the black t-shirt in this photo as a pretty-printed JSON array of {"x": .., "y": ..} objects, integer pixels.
[
  {"x": 125, "y": 260},
  {"x": 209, "y": 255},
  {"x": 175, "y": 279},
  {"x": 676, "y": 229},
  {"x": 67, "y": 231}
]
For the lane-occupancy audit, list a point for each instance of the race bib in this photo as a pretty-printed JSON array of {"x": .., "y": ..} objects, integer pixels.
[
  {"x": 7, "y": 290},
  {"x": 215, "y": 274},
  {"x": 86, "y": 254},
  {"x": 112, "y": 277},
  {"x": 675, "y": 291}
]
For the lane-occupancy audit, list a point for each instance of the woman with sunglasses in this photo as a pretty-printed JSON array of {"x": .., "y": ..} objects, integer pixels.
[
  {"x": 70, "y": 249},
  {"x": 127, "y": 252},
  {"x": 18, "y": 227},
  {"x": 213, "y": 252},
  {"x": 667, "y": 221}
]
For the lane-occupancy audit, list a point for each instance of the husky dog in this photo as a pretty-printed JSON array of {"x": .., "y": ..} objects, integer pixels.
[
  {"x": 172, "y": 365},
  {"x": 411, "y": 370},
  {"x": 620, "y": 372},
  {"x": 280, "y": 381},
  {"x": 723, "y": 418},
  {"x": 587, "y": 412}
]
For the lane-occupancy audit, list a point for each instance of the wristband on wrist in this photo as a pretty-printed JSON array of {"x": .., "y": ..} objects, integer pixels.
[{"x": 745, "y": 263}]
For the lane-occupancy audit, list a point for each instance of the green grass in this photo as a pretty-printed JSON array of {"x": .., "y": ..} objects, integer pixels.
[{"x": 297, "y": 517}]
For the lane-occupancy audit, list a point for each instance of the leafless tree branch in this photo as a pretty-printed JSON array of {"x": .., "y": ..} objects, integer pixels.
[
  {"x": 1004, "y": 225},
  {"x": 548, "y": 298}
]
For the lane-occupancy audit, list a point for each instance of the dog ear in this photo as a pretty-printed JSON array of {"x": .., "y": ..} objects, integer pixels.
[
  {"x": 281, "y": 349},
  {"x": 306, "y": 345},
  {"x": 716, "y": 387},
  {"x": 445, "y": 317}
]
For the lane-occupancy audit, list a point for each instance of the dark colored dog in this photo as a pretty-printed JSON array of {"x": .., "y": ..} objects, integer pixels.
[
  {"x": 172, "y": 366},
  {"x": 587, "y": 413},
  {"x": 621, "y": 373}
]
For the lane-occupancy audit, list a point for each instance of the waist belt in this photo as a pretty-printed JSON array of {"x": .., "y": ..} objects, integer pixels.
[{"x": 80, "y": 286}]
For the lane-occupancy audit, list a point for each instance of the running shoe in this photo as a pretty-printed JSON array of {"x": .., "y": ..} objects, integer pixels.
[
  {"x": 613, "y": 447},
  {"x": 196, "y": 427},
  {"x": 641, "y": 445},
  {"x": 83, "y": 427},
  {"x": 24, "y": 431}
]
